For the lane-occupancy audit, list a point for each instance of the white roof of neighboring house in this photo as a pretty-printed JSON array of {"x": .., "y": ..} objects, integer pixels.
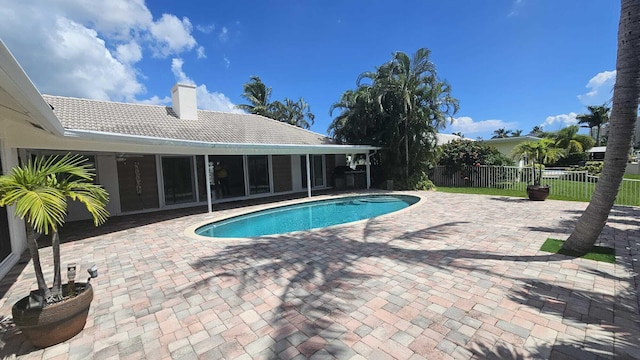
[
  {"x": 515, "y": 139},
  {"x": 597, "y": 149},
  {"x": 447, "y": 138}
]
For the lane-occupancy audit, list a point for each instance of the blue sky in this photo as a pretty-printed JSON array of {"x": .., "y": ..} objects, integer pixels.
[{"x": 511, "y": 63}]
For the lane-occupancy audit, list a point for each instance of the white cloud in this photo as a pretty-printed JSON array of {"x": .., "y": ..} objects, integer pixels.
[
  {"x": 468, "y": 126},
  {"x": 129, "y": 53},
  {"x": 515, "y": 8},
  {"x": 155, "y": 100},
  {"x": 63, "y": 57},
  {"x": 200, "y": 52},
  {"x": 115, "y": 18},
  {"x": 206, "y": 29},
  {"x": 559, "y": 121},
  {"x": 172, "y": 35},
  {"x": 93, "y": 65},
  {"x": 90, "y": 49},
  {"x": 227, "y": 62},
  {"x": 176, "y": 69},
  {"x": 600, "y": 88},
  {"x": 214, "y": 101},
  {"x": 224, "y": 34},
  {"x": 206, "y": 100}
]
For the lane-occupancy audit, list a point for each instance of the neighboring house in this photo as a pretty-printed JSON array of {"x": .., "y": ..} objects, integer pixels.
[
  {"x": 151, "y": 158},
  {"x": 447, "y": 138},
  {"x": 597, "y": 152},
  {"x": 506, "y": 146}
]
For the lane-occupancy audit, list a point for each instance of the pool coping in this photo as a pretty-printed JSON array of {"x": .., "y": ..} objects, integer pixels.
[{"x": 190, "y": 231}]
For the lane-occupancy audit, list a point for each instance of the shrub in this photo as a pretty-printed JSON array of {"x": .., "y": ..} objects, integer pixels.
[
  {"x": 570, "y": 159},
  {"x": 418, "y": 181},
  {"x": 463, "y": 154},
  {"x": 593, "y": 167}
]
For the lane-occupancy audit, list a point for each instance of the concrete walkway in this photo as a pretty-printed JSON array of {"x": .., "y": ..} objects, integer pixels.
[{"x": 455, "y": 276}]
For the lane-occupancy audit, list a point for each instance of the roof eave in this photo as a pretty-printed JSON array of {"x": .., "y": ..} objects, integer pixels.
[
  {"x": 149, "y": 140},
  {"x": 17, "y": 83},
  {"x": 513, "y": 138}
]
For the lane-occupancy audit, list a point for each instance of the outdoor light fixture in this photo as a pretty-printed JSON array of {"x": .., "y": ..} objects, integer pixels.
[
  {"x": 93, "y": 272},
  {"x": 71, "y": 275}
]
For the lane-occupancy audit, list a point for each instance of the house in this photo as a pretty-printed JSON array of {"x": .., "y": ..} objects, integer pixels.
[
  {"x": 152, "y": 158},
  {"x": 596, "y": 153},
  {"x": 506, "y": 145},
  {"x": 447, "y": 138}
]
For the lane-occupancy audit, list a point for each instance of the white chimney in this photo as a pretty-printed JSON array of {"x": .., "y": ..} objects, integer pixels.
[{"x": 183, "y": 101}]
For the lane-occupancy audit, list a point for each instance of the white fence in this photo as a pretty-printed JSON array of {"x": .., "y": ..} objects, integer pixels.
[{"x": 567, "y": 185}]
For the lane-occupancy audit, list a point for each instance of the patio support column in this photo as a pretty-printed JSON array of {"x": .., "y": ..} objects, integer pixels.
[
  {"x": 308, "y": 176},
  {"x": 368, "y": 168},
  {"x": 207, "y": 180}
]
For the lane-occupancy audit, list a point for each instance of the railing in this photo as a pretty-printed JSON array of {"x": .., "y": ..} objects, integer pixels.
[{"x": 565, "y": 185}]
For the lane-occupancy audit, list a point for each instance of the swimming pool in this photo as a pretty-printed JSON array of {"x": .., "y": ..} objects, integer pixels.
[{"x": 306, "y": 216}]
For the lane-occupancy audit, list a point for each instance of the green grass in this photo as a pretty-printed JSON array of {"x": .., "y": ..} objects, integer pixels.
[
  {"x": 598, "y": 253},
  {"x": 629, "y": 193},
  {"x": 482, "y": 191},
  {"x": 631, "y": 176}
]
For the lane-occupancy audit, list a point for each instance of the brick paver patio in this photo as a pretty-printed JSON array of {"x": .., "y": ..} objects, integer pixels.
[{"x": 455, "y": 276}]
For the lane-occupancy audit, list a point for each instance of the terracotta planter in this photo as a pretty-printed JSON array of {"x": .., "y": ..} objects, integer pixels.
[
  {"x": 538, "y": 192},
  {"x": 55, "y": 323}
]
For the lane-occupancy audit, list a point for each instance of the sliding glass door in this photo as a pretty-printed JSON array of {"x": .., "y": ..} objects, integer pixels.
[
  {"x": 258, "y": 168},
  {"x": 317, "y": 170},
  {"x": 177, "y": 175}
]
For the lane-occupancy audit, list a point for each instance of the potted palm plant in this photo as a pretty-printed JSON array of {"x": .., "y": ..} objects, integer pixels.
[
  {"x": 40, "y": 190},
  {"x": 538, "y": 152}
]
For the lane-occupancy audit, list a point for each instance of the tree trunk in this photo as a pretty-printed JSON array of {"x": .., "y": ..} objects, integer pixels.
[
  {"x": 32, "y": 237},
  {"x": 406, "y": 150},
  {"x": 56, "y": 291},
  {"x": 626, "y": 95}
]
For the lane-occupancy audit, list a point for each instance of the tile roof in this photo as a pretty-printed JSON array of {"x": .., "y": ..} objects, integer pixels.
[{"x": 162, "y": 122}]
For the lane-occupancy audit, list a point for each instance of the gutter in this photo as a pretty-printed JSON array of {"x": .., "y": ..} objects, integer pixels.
[{"x": 149, "y": 140}]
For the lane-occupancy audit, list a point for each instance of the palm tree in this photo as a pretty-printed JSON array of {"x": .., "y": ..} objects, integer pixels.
[
  {"x": 39, "y": 191},
  {"x": 626, "y": 95},
  {"x": 408, "y": 90},
  {"x": 296, "y": 113},
  {"x": 597, "y": 117},
  {"x": 360, "y": 118},
  {"x": 258, "y": 94},
  {"x": 572, "y": 142},
  {"x": 516, "y": 133},
  {"x": 500, "y": 133},
  {"x": 537, "y": 131},
  {"x": 538, "y": 152}
]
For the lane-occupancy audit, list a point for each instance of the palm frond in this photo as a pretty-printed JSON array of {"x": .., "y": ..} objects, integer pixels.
[{"x": 40, "y": 188}]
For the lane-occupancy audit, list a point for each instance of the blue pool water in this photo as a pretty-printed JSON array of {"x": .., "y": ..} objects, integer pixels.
[{"x": 310, "y": 215}]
